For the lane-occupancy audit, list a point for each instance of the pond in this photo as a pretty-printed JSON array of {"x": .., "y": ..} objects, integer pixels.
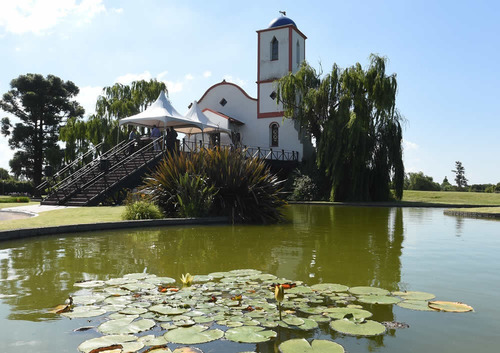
[{"x": 393, "y": 248}]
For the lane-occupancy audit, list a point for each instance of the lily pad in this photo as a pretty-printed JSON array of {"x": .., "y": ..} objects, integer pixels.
[
  {"x": 90, "y": 284},
  {"x": 105, "y": 341},
  {"x": 339, "y": 313},
  {"x": 368, "y": 291},
  {"x": 308, "y": 325},
  {"x": 413, "y": 295},
  {"x": 152, "y": 340},
  {"x": 131, "y": 310},
  {"x": 421, "y": 305},
  {"x": 193, "y": 335},
  {"x": 84, "y": 311},
  {"x": 455, "y": 307},
  {"x": 320, "y": 318},
  {"x": 293, "y": 320},
  {"x": 300, "y": 345},
  {"x": 188, "y": 350},
  {"x": 367, "y": 328},
  {"x": 378, "y": 299},
  {"x": 329, "y": 287},
  {"x": 125, "y": 325},
  {"x": 164, "y": 309},
  {"x": 160, "y": 280},
  {"x": 249, "y": 334}
]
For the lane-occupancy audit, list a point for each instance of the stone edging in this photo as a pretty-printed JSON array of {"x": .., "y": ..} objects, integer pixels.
[
  {"x": 465, "y": 213},
  {"x": 74, "y": 228}
]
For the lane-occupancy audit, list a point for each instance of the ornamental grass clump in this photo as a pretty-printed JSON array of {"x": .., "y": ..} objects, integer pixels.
[
  {"x": 142, "y": 209},
  {"x": 221, "y": 182}
]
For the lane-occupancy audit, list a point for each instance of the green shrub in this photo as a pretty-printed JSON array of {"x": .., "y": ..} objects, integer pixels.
[
  {"x": 420, "y": 181},
  {"x": 304, "y": 189},
  {"x": 141, "y": 210},
  {"x": 9, "y": 186},
  {"x": 245, "y": 189},
  {"x": 195, "y": 195},
  {"x": 12, "y": 199}
]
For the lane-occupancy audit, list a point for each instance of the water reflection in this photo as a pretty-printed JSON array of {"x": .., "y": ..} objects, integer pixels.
[{"x": 352, "y": 246}]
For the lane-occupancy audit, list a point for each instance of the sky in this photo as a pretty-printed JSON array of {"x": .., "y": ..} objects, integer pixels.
[{"x": 446, "y": 55}]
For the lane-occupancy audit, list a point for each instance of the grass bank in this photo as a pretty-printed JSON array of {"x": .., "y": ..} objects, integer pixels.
[
  {"x": 452, "y": 198},
  {"x": 67, "y": 216}
]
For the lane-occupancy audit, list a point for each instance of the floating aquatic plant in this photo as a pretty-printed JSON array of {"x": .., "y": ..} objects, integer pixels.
[{"x": 239, "y": 301}]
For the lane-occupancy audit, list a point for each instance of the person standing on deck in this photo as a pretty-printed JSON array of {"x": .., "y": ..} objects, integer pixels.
[
  {"x": 132, "y": 137},
  {"x": 155, "y": 133},
  {"x": 171, "y": 139}
]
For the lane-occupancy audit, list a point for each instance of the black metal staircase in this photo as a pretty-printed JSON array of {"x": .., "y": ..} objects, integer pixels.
[{"x": 100, "y": 180}]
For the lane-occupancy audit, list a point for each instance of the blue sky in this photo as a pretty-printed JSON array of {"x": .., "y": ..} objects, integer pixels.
[{"x": 445, "y": 55}]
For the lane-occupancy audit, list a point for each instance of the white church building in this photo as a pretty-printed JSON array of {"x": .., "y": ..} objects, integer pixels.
[{"x": 258, "y": 122}]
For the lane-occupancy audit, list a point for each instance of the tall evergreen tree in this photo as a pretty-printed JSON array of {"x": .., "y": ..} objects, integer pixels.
[
  {"x": 460, "y": 178},
  {"x": 352, "y": 115},
  {"x": 41, "y": 104}
]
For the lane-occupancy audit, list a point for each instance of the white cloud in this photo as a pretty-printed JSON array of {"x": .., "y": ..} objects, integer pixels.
[
  {"x": 236, "y": 80},
  {"x": 174, "y": 86},
  {"x": 189, "y": 77},
  {"x": 6, "y": 153},
  {"x": 120, "y": 10},
  {"x": 409, "y": 146},
  {"x": 88, "y": 98},
  {"x": 129, "y": 78},
  {"x": 207, "y": 74},
  {"x": 39, "y": 16},
  {"x": 161, "y": 75}
]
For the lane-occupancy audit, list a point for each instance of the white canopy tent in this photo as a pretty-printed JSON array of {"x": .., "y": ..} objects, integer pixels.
[
  {"x": 162, "y": 114},
  {"x": 202, "y": 122}
]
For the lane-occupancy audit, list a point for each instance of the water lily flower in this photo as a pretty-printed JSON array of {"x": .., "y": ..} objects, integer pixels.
[
  {"x": 279, "y": 295},
  {"x": 187, "y": 280}
]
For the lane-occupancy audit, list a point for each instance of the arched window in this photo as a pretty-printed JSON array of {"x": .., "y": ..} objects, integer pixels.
[
  {"x": 274, "y": 134},
  {"x": 274, "y": 49},
  {"x": 297, "y": 54}
]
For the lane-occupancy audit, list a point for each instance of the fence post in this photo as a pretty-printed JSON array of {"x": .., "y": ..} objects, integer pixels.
[
  {"x": 258, "y": 152},
  {"x": 282, "y": 155}
]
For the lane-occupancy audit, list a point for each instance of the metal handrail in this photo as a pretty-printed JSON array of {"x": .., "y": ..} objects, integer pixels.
[
  {"x": 69, "y": 166},
  {"x": 74, "y": 178},
  {"x": 250, "y": 152},
  {"x": 123, "y": 163}
]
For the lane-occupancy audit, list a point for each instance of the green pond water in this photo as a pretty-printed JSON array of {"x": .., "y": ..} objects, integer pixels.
[{"x": 419, "y": 249}]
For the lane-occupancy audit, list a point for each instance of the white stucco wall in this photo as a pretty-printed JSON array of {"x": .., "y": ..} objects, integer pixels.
[
  {"x": 272, "y": 69},
  {"x": 255, "y": 132},
  {"x": 266, "y": 103}
]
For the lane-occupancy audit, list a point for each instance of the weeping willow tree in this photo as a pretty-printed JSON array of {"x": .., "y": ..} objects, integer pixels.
[
  {"x": 352, "y": 115},
  {"x": 117, "y": 102}
]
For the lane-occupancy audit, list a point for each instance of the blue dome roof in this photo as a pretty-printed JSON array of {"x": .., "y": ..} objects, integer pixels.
[{"x": 281, "y": 21}]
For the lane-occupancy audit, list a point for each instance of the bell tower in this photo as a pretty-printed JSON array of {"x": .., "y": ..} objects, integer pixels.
[{"x": 281, "y": 49}]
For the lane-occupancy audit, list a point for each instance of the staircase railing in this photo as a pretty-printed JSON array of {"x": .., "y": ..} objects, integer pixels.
[
  {"x": 69, "y": 167},
  {"x": 74, "y": 181},
  {"x": 122, "y": 163}
]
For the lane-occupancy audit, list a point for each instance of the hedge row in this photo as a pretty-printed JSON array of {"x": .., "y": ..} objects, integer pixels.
[{"x": 13, "y": 186}]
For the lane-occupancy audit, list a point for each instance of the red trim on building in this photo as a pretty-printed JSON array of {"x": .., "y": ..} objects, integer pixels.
[
  {"x": 258, "y": 73},
  {"x": 270, "y": 115},
  {"x": 290, "y": 49},
  {"x": 226, "y": 83},
  {"x": 222, "y": 115},
  {"x": 267, "y": 81},
  {"x": 291, "y": 26}
]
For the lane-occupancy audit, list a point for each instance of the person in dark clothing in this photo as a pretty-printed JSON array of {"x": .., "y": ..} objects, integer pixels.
[
  {"x": 132, "y": 137},
  {"x": 171, "y": 139}
]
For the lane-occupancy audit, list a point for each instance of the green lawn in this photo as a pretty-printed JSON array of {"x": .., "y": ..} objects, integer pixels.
[
  {"x": 15, "y": 204},
  {"x": 452, "y": 197},
  {"x": 67, "y": 216}
]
